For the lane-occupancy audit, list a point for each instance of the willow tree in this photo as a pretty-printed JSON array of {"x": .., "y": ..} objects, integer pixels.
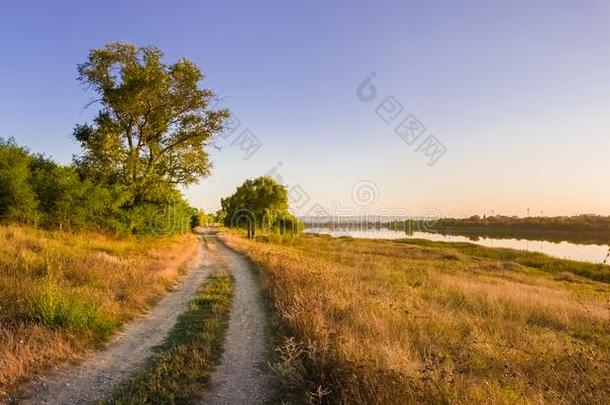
[
  {"x": 261, "y": 203},
  {"x": 154, "y": 125}
]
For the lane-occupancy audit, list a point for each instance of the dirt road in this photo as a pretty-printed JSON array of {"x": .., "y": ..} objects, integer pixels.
[
  {"x": 243, "y": 376},
  {"x": 97, "y": 376}
]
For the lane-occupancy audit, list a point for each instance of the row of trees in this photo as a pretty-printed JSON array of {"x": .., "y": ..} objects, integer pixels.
[
  {"x": 568, "y": 223},
  {"x": 38, "y": 191},
  {"x": 259, "y": 205},
  {"x": 149, "y": 137},
  {"x": 578, "y": 229}
]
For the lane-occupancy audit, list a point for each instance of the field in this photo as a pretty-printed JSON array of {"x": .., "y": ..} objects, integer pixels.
[
  {"x": 363, "y": 321},
  {"x": 64, "y": 293}
]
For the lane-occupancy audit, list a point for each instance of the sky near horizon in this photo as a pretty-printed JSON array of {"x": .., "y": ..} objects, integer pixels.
[{"x": 516, "y": 92}]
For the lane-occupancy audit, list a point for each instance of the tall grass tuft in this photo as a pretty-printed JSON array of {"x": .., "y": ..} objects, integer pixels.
[{"x": 57, "y": 308}]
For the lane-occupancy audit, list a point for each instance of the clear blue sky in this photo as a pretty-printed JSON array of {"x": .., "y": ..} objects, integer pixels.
[{"x": 517, "y": 91}]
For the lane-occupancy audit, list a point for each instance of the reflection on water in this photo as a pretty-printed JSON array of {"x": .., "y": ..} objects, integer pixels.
[{"x": 563, "y": 250}]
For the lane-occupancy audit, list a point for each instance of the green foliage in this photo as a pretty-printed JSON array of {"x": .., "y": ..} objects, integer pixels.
[
  {"x": 169, "y": 217},
  {"x": 52, "y": 307},
  {"x": 154, "y": 123},
  {"x": 577, "y": 229},
  {"x": 199, "y": 218},
  {"x": 261, "y": 203},
  {"x": 17, "y": 199},
  {"x": 35, "y": 189},
  {"x": 195, "y": 221},
  {"x": 68, "y": 202},
  {"x": 287, "y": 223},
  {"x": 218, "y": 217},
  {"x": 149, "y": 137}
]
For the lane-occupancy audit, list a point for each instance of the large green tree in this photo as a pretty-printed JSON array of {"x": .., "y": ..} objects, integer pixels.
[
  {"x": 154, "y": 125},
  {"x": 261, "y": 203}
]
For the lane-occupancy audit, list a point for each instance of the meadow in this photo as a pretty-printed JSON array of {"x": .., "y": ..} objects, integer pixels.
[
  {"x": 64, "y": 293},
  {"x": 398, "y": 322}
]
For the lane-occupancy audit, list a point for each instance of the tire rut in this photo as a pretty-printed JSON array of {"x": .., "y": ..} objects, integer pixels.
[{"x": 243, "y": 375}]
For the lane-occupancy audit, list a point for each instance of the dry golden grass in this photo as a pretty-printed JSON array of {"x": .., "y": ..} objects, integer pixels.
[
  {"x": 388, "y": 322},
  {"x": 62, "y": 293}
]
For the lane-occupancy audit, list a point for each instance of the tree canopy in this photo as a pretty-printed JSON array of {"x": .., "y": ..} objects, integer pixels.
[
  {"x": 154, "y": 124},
  {"x": 261, "y": 203},
  {"x": 149, "y": 137}
]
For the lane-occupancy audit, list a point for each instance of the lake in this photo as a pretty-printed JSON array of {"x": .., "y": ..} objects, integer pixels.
[{"x": 562, "y": 250}]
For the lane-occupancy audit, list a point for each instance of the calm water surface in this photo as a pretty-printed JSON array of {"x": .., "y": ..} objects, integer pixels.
[{"x": 563, "y": 250}]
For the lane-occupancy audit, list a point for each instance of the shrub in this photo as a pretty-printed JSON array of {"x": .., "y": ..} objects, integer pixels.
[
  {"x": 17, "y": 199},
  {"x": 54, "y": 308},
  {"x": 35, "y": 189}
]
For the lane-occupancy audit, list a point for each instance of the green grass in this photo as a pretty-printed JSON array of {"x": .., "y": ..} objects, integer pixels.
[
  {"x": 55, "y": 308},
  {"x": 184, "y": 363},
  {"x": 539, "y": 261}
]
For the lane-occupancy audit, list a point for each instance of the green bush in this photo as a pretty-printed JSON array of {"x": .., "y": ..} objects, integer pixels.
[
  {"x": 52, "y": 307},
  {"x": 35, "y": 189},
  {"x": 17, "y": 199}
]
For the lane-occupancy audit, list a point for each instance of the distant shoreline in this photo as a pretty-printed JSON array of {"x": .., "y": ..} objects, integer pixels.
[
  {"x": 527, "y": 234},
  {"x": 584, "y": 229}
]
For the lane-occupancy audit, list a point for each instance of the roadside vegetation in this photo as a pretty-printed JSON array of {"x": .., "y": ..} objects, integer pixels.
[
  {"x": 87, "y": 246},
  {"x": 184, "y": 363},
  {"x": 64, "y": 293},
  {"x": 364, "y": 321},
  {"x": 259, "y": 205}
]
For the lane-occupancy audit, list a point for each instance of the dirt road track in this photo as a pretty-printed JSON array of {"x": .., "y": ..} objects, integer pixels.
[
  {"x": 243, "y": 376},
  {"x": 96, "y": 377}
]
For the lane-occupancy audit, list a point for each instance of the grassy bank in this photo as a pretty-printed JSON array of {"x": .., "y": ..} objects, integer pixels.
[
  {"x": 365, "y": 321},
  {"x": 185, "y": 361},
  {"x": 64, "y": 293},
  {"x": 533, "y": 260}
]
